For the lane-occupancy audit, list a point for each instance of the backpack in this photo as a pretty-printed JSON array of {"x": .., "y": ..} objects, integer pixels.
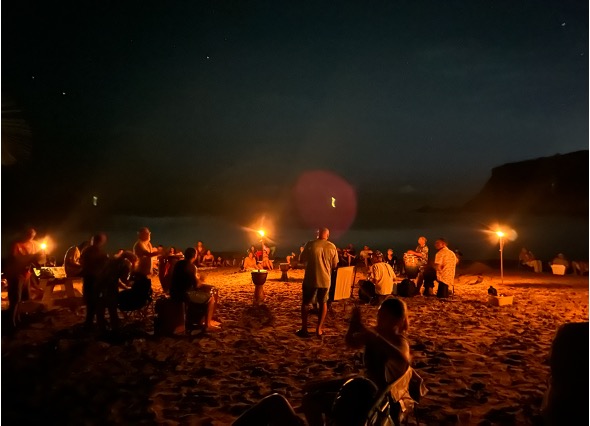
[{"x": 406, "y": 288}]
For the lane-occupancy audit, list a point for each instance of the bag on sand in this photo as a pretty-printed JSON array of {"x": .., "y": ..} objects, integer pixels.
[
  {"x": 406, "y": 288},
  {"x": 442, "y": 291}
]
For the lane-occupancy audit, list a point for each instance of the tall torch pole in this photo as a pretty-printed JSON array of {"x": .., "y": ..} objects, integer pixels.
[{"x": 500, "y": 234}]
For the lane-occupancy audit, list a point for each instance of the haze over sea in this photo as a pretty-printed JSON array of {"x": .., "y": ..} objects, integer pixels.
[{"x": 545, "y": 236}]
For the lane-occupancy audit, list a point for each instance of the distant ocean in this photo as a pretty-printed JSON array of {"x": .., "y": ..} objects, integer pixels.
[{"x": 545, "y": 236}]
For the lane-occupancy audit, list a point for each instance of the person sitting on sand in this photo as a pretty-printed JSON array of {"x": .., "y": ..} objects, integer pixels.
[
  {"x": 266, "y": 262},
  {"x": 386, "y": 356},
  {"x": 185, "y": 287},
  {"x": 380, "y": 282},
  {"x": 201, "y": 252},
  {"x": 208, "y": 259},
  {"x": 348, "y": 255},
  {"x": 527, "y": 258},
  {"x": 250, "y": 263}
]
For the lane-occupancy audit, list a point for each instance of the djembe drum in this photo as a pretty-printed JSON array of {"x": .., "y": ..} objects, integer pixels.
[
  {"x": 412, "y": 265},
  {"x": 284, "y": 268},
  {"x": 259, "y": 278}
]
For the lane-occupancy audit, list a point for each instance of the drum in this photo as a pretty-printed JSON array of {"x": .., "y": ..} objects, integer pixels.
[
  {"x": 412, "y": 265},
  {"x": 259, "y": 277},
  {"x": 284, "y": 268}
]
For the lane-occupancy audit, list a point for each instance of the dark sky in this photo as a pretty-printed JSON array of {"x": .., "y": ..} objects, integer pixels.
[{"x": 198, "y": 97}]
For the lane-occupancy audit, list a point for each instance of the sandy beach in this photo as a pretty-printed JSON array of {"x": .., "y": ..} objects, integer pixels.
[{"x": 483, "y": 365}]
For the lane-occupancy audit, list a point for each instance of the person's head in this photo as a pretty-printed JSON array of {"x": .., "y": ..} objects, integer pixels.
[
  {"x": 393, "y": 315},
  {"x": 144, "y": 234},
  {"x": 250, "y": 254},
  {"x": 422, "y": 241},
  {"x": 301, "y": 247},
  {"x": 99, "y": 239},
  {"x": 324, "y": 233},
  {"x": 199, "y": 243},
  {"x": 252, "y": 248},
  {"x": 208, "y": 252},
  {"x": 389, "y": 252},
  {"x": 440, "y": 243},
  {"x": 353, "y": 402},
  {"x": 190, "y": 253},
  {"x": 365, "y": 248},
  {"x": 377, "y": 256},
  {"x": 30, "y": 234},
  {"x": 172, "y": 250},
  {"x": 131, "y": 258}
]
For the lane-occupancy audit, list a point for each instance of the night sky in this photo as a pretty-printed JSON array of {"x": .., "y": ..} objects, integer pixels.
[{"x": 162, "y": 105}]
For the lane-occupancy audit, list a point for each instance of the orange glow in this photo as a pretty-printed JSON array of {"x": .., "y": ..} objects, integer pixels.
[
  {"x": 500, "y": 234},
  {"x": 261, "y": 232}
]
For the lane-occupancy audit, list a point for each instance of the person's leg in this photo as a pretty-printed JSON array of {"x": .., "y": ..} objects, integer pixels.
[
  {"x": 322, "y": 296},
  {"x": 89, "y": 299}
]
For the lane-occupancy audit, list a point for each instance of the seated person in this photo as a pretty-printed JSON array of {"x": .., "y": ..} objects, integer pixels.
[
  {"x": 365, "y": 255},
  {"x": 561, "y": 260},
  {"x": 72, "y": 260},
  {"x": 348, "y": 255},
  {"x": 266, "y": 262},
  {"x": 579, "y": 267},
  {"x": 208, "y": 259},
  {"x": 527, "y": 258},
  {"x": 250, "y": 263},
  {"x": 386, "y": 356},
  {"x": 380, "y": 283},
  {"x": 294, "y": 259},
  {"x": 115, "y": 275},
  {"x": 186, "y": 288}
]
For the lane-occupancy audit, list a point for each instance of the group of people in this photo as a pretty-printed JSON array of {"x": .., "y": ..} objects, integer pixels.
[
  {"x": 104, "y": 275},
  {"x": 527, "y": 259}
]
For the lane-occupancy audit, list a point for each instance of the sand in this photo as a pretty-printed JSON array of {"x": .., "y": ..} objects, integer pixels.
[{"x": 482, "y": 364}]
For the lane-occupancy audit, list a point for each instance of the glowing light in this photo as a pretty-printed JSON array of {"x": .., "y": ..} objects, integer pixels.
[
  {"x": 333, "y": 202},
  {"x": 500, "y": 234},
  {"x": 261, "y": 232},
  {"x": 95, "y": 200},
  {"x": 43, "y": 246}
]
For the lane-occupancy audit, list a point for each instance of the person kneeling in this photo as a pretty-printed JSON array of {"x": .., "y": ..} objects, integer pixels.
[{"x": 381, "y": 281}]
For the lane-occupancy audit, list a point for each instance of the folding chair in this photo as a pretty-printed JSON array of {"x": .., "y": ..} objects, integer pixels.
[{"x": 341, "y": 288}]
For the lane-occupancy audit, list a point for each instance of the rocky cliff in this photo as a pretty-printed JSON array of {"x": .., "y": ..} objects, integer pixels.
[{"x": 548, "y": 185}]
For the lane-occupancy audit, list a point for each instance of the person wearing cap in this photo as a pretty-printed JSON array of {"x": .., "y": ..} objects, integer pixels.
[{"x": 381, "y": 280}]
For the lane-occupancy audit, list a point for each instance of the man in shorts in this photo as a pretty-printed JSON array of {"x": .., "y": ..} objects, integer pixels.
[{"x": 322, "y": 257}]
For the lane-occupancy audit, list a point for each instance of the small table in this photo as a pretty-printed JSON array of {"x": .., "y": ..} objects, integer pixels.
[{"x": 47, "y": 283}]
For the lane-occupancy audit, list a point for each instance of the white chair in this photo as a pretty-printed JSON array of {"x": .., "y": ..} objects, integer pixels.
[{"x": 558, "y": 269}]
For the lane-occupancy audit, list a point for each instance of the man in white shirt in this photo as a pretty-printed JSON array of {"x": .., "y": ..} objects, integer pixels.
[
  {"x": 381, "y": 280},
  {"x": 445, "y": 263}
]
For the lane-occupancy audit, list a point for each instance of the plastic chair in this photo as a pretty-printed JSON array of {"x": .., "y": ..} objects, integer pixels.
[{"x": 397, "y": 401}]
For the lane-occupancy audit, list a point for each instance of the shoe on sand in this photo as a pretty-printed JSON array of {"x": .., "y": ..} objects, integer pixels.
[{"x": 302, "y": 333}]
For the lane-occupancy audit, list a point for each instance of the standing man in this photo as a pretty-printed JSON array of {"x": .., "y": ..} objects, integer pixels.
[
  {"x": 321, "y": 257},
  {"x": 421, "y": 253},
  {"x": 445, "y": 262},
  {"x": 92, "y": 259},
  {"x": 144, "y": 251}
]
